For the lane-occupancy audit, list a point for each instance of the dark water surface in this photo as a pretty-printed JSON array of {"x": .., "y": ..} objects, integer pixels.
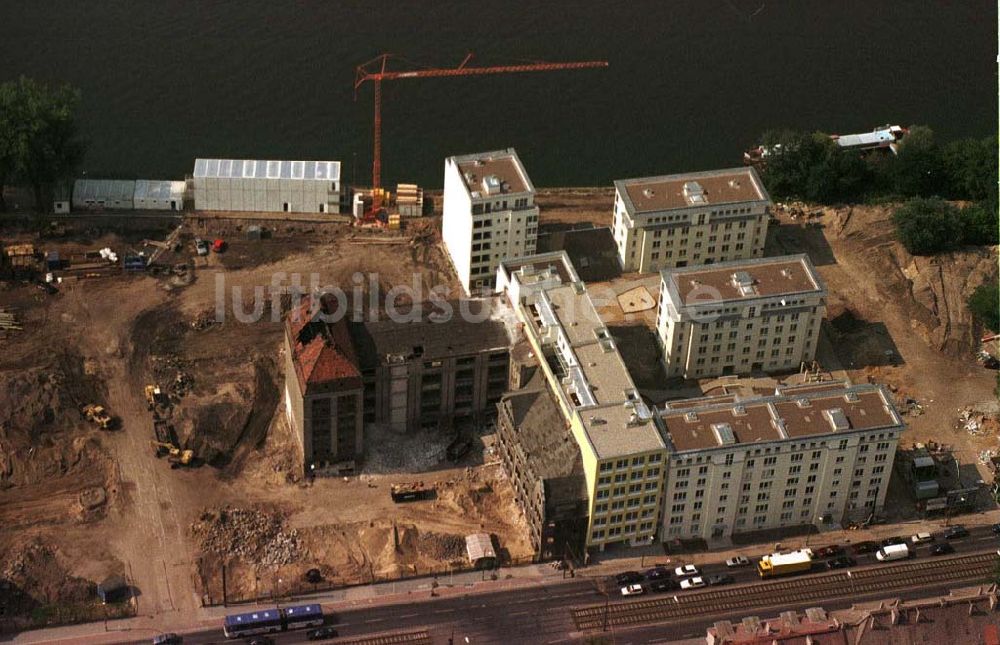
[{"x": 691, "y": 84}]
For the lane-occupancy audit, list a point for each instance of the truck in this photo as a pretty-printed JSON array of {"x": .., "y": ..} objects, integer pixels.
[
  {"x": 783, "y": 564},
  {"x": 97, "y": 415}
]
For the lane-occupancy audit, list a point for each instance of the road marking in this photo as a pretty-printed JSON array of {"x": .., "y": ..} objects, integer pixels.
[
  {"x": 375, "y": 620},
  {"x": 407, "y": 616},
  {"x": 445, "y": 611}
]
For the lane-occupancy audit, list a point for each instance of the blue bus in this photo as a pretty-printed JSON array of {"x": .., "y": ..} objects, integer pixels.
[
  {"x": 303, "y": 616},
  {"x": 273, "y": 620},
  {"x": 264, "y": 621}
]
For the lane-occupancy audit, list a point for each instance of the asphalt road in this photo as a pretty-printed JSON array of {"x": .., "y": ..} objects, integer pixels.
[{"x": 541, "y": 614}]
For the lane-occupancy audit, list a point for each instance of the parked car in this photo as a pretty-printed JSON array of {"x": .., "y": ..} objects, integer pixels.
[
  {"x": 890, "y": 541},
  {"x": 686, "y": 570},
  {"x": 692, "y": 583},
  {"x": 321, "y": 633},
  {"x": 167, "y": 639},
  {"x": 738, "y": 561},
  {"x": 200, "y": 246},
  {"x": 633, "y": 590},
  {"x": 659, "y": 586},
  {"x": 261, "y": 640},
  {"x": 720, "y": 579},
  {"x": 827, "y": 551},
  {"x": 314, "y": 576},
  {"x": 865, "y": 547},
  {"x": 995, "y": 528},
  {"x": 942, "y": 549},
  {"x": 842, "y": 562},
  {"x": 219, "y": 245},
  {"x": 628, "y": 578},
  {"x": 920, "y": 538},
  {"x": 956, "y": 532},
  {"x": 657, "y": 573}
]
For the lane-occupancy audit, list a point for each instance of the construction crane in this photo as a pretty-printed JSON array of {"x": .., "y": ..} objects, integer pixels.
[{"x": 377, "y": 70}]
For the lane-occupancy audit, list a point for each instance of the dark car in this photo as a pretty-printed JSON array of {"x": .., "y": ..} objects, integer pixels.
[
  {"x": 321, "y": 634},
  {"x": 891, "y": 541},
  {"x": 261, "y": 640},
  {"x": 656, "y": 573},
  {"x": 628, "y": 578},
  {"x": 167, "y": 639},
  {"x": 314, "y": 576},
  {"x": 659, "y": 586},
  {"x": 995, "y": 528},
  {"x": 956, "y": 532},
  {"x": 865, "y": 547},
  {"x": 843, "y": 562},
  {"x": 942, "y": 549},
  {"x": 828, "y": 551},
  {"x": 720, "y": 579}
]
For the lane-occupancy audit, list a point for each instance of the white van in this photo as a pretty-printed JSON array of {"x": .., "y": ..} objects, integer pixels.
[{"x": 894, "y": 552}]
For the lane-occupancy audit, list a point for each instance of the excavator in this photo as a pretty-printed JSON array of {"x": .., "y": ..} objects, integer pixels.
[
  {"x": 174, "y": 455},
  {"x": 97, "y": 415},
  {"x": 155, "y": 397}
]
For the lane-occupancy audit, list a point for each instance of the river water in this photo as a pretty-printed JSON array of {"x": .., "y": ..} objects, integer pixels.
[{"x": 690, "y": 84}]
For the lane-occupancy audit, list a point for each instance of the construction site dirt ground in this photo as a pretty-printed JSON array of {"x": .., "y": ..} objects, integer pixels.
[{"x": 79, "y": 504}]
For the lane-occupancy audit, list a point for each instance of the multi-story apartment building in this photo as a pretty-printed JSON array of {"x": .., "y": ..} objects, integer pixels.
[
  {"x": 688, "y": 219},
  {"x": 489, "y": 214},
  {"x": 341, "y": 376},
  {"x": 432, "y": 372},
  {"x": 739, "y": 317},
  {"x": 542, "y": 459},
  {"x": 621, "y": 445},
  {"x": 812, "y": 454},
  {"x": 322, "y": 389}
]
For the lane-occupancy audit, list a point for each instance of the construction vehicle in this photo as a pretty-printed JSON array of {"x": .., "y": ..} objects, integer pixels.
[
  {"x": 783, "y": 564},
  {"x": 163, "y": 432},
  {"x": 97, "y": 415},
  {"x": 155, "y": 397},
  {"x": 174, "y": 455},
  {"x": 411, "y": 492}
]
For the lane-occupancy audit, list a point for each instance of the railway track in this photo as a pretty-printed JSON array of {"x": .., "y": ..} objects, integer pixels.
[
  {"x": 789, "y": 591},
  {"x": 418, "y": 637}
]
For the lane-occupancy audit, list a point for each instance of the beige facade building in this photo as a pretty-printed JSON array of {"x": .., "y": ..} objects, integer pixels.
[
  {"x": 621, "y": 444},
  {"x": 815, "y": 454},
  {"x": 740, "y": 317},
  {"x": 489, "y": 214},
  {"x": 690, "y": 219}
]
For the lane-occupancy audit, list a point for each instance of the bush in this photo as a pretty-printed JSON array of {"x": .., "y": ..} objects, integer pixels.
[
  {"x": 981, "y": 225},
  {"x": 971, "y": 169},
  {"x": 984, "y": 303},
  {"x": 929, "y": 226},
  {"x": 812, "y": 167}
]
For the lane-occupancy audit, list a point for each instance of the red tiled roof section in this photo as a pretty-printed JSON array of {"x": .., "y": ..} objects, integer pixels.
[{"x": 323, "y": 353}]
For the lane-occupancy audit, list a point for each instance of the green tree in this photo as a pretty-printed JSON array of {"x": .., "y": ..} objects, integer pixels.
[
  {"x": 981, "y": 224},
  {"x": 970, "y": 166},
  {"x": 984, "y": 303},
  {"x": 812, "y": 167},
  {"x": 39, "y": 142},
  {"x": 928, "y": 226},
  {"x": 917, "y": 170}
]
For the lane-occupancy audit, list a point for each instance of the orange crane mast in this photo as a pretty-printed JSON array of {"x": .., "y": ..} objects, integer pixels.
[{"x": 376, "y": 71}]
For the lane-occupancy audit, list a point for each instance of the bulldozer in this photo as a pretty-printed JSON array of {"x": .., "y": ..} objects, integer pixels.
[
  {"x": 154, "y": 397},
  {"x": 97, "y": 415},
  {"x": 174, "y": 455}
]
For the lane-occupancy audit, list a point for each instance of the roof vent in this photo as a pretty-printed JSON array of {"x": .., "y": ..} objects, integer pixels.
[
  {"x": 597, "y": 421},
  {"x": 852, "y": 397},
  {"x": 724, "y": 434},
  {"x": 734, "y": 183},
  {"x": 837, "y": 419},
  {"x": 802, "y": 403},
  {"x": 786, "y": 272},
  {"x": 691, "y": 417},
  {"x": 744, "y": 282},
  {"x": 477, "y": 162},
  {"x": 491, "y": 185},
  {"x": 648, "y": 193},
  {"x": 739, "y": 411}
]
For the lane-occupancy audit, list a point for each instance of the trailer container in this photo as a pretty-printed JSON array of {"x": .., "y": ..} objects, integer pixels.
[{"x": 782, "y": 564}]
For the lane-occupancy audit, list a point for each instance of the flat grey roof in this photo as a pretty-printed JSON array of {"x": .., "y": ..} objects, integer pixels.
[{"x": 267, "y": 169}]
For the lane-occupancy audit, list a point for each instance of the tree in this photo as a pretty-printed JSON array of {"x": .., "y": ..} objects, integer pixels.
[
  {"x": 917, "y": 170},
  {"x": 970, "y": 166},
  {"x": 928, "y": 226},
  {"x": 984, "y": 303},
  {"x": 39, "y": 143},
  {"x": 981, "y": 225},
  {"x": 812, "y": 167}
]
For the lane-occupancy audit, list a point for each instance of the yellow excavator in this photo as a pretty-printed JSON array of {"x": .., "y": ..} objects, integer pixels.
[
  {"x": 174, "y": 455},
  {"x": 154, "y": 397},
  {"x": 97, "y": 415}
]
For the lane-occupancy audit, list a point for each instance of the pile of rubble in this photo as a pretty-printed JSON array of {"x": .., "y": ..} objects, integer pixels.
[
  {"x": 445, "y": 547},
  {"x": 978, "y": 422},
  {"x": 204, "y": 320},
  {"x": 171, "y": 369},
  {"x": 253, "y": 536}
]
